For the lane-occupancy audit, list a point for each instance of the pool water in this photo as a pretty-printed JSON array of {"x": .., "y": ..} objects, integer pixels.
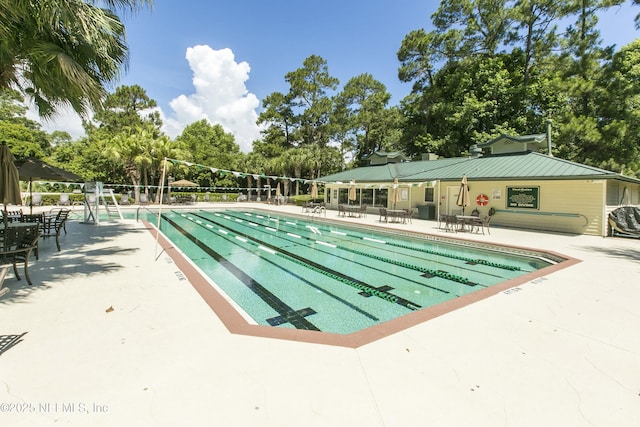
[
  {"x": 293, "y": 273},
  {"x": 289, "y": 272}
]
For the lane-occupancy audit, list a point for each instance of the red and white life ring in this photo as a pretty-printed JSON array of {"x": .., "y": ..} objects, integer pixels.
[{"x": 482, "y": 200}]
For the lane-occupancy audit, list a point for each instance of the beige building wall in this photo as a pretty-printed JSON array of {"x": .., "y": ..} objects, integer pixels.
[{"x": 569, "y": 206}]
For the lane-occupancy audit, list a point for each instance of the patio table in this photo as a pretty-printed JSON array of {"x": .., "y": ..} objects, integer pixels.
[
  {"x": 397, "y": 215},
  {"x": 471, "y": 221},
  {"x": 352, "y": 210}
]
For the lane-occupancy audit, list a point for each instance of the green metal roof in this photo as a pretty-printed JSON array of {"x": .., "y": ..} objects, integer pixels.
[{"x": 525, "y": 165}]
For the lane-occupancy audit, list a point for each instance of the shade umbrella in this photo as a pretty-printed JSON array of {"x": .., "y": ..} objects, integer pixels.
[
  {"x": 32, "y": 168},
  {"x": 463, "y": 195},
  {"x": 9, "y": 180},
  {"x": 352, "y": 191},
  {"x": 278, "y": 192},
  {"x": 395, "y": 193},
  {"x": 314, "y": 190},
  {"x": 183, "y": 183}
]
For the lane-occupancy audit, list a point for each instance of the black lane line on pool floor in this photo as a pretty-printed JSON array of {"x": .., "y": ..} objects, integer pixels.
[
  {"x": 327, "y": 271},
  {"x": 292, "y": 316},
  {"x": 302, "y": 279},
  {"x": 353, "y": 251},
  {"x": 309, "y": 265},
  {"x": 280, "y": 267}
]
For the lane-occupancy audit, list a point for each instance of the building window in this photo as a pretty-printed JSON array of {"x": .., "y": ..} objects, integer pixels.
[
  {"x": 429, "y": 194},
  {"x": 381, "y": 197},
  {"x": 367, "y": 197}
]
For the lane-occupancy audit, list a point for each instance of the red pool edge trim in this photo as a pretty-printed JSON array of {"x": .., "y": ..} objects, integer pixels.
[{"x": 236, "y": 324}]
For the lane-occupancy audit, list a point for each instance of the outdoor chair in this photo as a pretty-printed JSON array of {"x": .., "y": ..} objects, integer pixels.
[
  {"x": 39, "y": 219},
  {"x": 124, "y": 199},
  {"x": 451, "y": 223},
  {"x": 12, "y": 215},
  {"x": 54, "y": 212},
  {"x": 408, "y": 215},
  {"x": 64, "y": 199},
  {"x": 383, "y": 215},
  {"x": 54, "y": 224},
  {"x": 36, "y": 199},
  {"x": 341, "y": 211},
  {"x": 18, "y": 244},
  {"x": 143, "y": 199},
  {"x": 484, "y": 223},
  {"x": 4, "y": 269},
  {"x": 362, "y": 212}
]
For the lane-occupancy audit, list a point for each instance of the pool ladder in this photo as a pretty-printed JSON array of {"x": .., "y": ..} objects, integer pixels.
[{"x": 317, "y": 210}]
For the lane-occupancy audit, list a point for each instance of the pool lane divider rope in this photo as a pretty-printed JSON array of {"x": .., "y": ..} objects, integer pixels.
[
  {"x": 428, "y": 272},
  {"x": 336, "y": 275},
  {"x": 225, "y": 235},
  {"x": 469, "y": 260},
  {"x": 346, "y": 249}
]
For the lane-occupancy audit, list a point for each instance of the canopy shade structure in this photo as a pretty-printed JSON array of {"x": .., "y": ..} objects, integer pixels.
[
  {"x": 183, "y": 183},
  {"x": 32, "y": 168},
  {"x": 352, "y": 196},
  {"x": 463, "y": 195},
  {"x": 9, "y": 181}
]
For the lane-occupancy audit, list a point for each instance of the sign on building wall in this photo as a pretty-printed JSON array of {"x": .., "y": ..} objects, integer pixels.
[{"x": 523, "y": 197}]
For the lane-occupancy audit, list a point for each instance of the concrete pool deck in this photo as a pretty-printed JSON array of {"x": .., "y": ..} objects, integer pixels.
[{"x": 112, "y": 333}]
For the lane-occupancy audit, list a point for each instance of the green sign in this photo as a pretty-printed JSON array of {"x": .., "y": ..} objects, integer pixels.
[{"x": 523, "y": 197}]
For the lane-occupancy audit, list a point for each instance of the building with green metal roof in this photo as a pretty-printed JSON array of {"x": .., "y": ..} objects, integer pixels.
[{"x": 527, "y": 189}]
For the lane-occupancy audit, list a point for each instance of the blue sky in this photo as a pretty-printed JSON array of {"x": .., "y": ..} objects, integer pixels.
[{"x": 245, "y": 48}]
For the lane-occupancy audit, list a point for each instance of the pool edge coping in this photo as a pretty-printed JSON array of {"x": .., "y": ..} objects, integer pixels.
[{"x": 236, "y": 324}]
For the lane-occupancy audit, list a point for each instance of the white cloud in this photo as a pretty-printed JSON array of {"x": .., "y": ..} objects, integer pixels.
[
  {"x": 65, "y": 120},
  {"x": 220, "y": 96}
]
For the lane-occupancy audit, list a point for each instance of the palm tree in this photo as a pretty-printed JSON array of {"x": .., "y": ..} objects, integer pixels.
[
  {"x": 63, "y": 52},
  {"x": 297, "y": 159},
  {"x": 125, "y": 148}
]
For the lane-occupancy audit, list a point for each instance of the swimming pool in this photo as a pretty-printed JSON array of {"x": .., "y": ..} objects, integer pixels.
[{"x": 290, "y": 272}]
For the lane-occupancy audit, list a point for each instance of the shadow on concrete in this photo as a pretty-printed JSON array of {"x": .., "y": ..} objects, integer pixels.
[
  {"x": 8, "y": 341},
  {"x": 76, "y": 258},
  {"x": 630, "y": 254}
]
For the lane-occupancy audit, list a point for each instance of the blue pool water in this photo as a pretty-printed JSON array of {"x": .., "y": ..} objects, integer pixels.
[{"x": 293, "y": 273}]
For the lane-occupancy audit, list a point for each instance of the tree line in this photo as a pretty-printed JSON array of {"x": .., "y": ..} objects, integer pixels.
[{"x": 488, "y": 67}]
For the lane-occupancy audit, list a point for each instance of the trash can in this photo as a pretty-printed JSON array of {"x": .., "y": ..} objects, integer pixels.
[{"x": 427, "y": 212}]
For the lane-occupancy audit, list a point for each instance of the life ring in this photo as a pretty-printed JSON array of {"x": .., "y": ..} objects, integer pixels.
[{"x": 482, "y": 200}]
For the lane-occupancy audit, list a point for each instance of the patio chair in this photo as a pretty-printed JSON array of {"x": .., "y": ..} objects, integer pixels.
[
  {"x": 64, "y": 199},
  {"x": 451, "y": 223},
  {"x": 37, "y": 218},
  {"x": 124, "y": 199},
  {"x": 4, "y": 269},
  {"x": 383, "y": 215},
  {"x": 19, "y": 242},
  {"x": 143, "y": 199},
  {"x": 408, "y": 215},
  {"x": 55, "y": 223},
  {"x": 362, "y": 212},
  {"x": 485, "y": 222},
  {"x": 341, "y": 211},
  {"x": 36, "y": 199},
  {"x": 13, "y": 215}
]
